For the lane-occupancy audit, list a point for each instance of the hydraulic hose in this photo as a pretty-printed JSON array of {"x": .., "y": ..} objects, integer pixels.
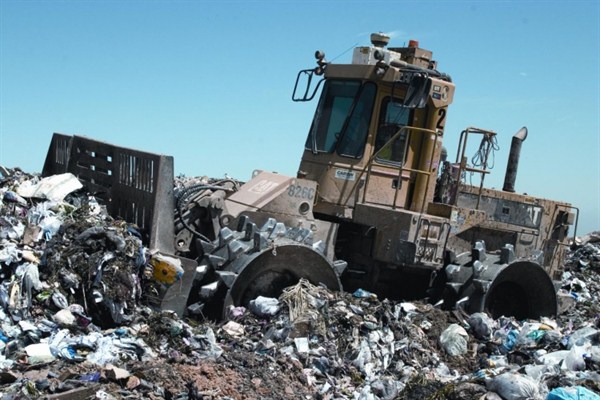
[{"x": 184, "y": 197}]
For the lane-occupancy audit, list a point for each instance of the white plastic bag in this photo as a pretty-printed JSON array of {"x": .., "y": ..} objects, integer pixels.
[
  {"x": 454, "y": 340},
  {"x": 264, "y": 306},
  {"x": 585, "y": 333},
  {"x": 512, "y": 386},
  {"x": 574, "y": 360}
]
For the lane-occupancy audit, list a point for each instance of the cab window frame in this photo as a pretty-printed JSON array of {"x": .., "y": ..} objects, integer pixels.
[
  {"x": 330, "y": 142},
  {"x": 385, "y": 131}
]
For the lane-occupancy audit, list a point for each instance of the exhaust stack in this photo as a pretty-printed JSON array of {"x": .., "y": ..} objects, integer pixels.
[{"x": 513, "y": 160}]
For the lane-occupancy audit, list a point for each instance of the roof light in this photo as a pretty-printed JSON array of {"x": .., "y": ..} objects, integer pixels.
[{"x": 379, "y": 39}]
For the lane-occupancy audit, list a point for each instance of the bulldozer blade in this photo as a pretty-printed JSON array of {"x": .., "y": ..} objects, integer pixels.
[
  {"x": 136, "y": 186},
  {"x": 176, "y": 296}
]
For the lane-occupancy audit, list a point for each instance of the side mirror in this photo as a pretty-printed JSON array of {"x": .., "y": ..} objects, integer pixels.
[
  {"x": 417, "y": 92},
  {"x": 306, "y": 75},
  {"x": 305, "y": 89}
]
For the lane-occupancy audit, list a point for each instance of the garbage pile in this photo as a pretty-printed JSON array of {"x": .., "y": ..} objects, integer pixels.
[
  {"x": 582, "y": 277},
  {"x": 78, "y": 320}
]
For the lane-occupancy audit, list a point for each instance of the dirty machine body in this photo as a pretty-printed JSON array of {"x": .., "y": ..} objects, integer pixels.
[{"x": 376, "y": 204}]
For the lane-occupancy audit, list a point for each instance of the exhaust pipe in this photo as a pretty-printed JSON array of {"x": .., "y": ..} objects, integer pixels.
[{"x": 513, "y": 160}]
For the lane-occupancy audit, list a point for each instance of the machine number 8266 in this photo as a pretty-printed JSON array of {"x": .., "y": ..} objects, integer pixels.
[{"x": 301, "y": 192}]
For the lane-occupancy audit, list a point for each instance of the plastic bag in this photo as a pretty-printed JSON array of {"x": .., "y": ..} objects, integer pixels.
[
  {"x": 509, "y": 341},
  {"x": 364, "y": 294},
  {"x": 264, "y": 306},
  {"x": 497, "y": 361},
  {"x": 572, "y": 393},
  {"x": 574, "y": 361},
  {"x": 11, "y": 229},
  {"x": 482, "y": 325},
  {"x": 537, "y": 372},
  {"x": 587, "y": 332},
  {"x": 13, "y": 197},
  {"x": 454, "y": 340},
  {"x": 529, "y": 335},
  {"x": 9, "y": 252},
  {"x": 39, "y": 353},
  {"x": 513, "y": 386},
  {"x": 554, "y": 358},
  {"x": 49, "y": 227}
]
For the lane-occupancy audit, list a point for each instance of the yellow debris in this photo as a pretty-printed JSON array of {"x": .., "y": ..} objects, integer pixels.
[{"x": 167, "y": 270}]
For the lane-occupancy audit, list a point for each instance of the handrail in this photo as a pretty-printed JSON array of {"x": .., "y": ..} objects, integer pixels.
[
  {"x": 369, "y": 165},
  {"x": 566, "y": 207},
  {"x": 559, "y": 244},
  {"x": 576, "y": 222},
  {"x": 461, "y": 159}
]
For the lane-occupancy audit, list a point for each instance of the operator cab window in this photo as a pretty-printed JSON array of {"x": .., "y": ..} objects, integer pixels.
[
  {"x": 342, "y": 118},
  {"x": 392, "y": 117}
]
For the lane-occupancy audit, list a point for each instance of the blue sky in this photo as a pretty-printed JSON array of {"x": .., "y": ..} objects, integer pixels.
[{"x": 210, "y": 82}]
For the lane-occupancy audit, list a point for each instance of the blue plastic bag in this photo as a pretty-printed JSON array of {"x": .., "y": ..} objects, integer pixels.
[
  {"x": 572, "y": 393},
  {"x": 510, "y": 341}
]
